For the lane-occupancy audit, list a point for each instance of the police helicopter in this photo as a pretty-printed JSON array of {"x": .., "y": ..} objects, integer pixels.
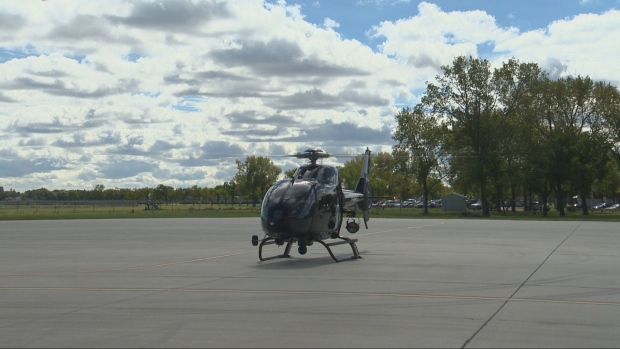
[{"x": 311, "y": 206}]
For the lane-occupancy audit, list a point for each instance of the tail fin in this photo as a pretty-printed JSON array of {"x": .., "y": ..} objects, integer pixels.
[{"x": 364, "y": 187}]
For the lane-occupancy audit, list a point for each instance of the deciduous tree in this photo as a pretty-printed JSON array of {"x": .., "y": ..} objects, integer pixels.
[
  {"x": 421, "y": 137},
  {"x": 255, "y": 175}
]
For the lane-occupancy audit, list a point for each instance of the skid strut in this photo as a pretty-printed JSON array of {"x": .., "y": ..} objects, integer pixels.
[
  {"x": 351, "y": 242},
  {"x": 272, "y": 241},
  {"x": 289, "y": 244}
]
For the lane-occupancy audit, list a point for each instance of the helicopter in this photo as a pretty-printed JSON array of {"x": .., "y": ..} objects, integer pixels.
[{"x": 311, "y": 206}]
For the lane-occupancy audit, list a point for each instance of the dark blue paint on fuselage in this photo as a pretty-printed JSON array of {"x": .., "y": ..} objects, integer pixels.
[{"x": 306, "y": 207}]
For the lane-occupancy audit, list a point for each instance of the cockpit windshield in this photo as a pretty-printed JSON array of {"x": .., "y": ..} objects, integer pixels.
[{"x": 323, "y": 174}]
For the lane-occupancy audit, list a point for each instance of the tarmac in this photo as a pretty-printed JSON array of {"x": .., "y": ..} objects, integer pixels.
[{"x": 193, "y": 282}]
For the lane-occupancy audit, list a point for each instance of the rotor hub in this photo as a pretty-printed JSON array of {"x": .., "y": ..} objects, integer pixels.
[{"x": 312, "y": 154}]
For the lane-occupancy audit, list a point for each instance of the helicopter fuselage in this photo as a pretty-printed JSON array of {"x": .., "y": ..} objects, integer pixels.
[
  {"x": 307, "y": 207},
  {"x": 310, "y": 206}
]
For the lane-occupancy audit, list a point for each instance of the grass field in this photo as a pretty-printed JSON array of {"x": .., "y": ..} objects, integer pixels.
[
  {"x": 38, "y": 211},
  {"x": 518, "y": 215},
  {"x": 24, "y": 211}
]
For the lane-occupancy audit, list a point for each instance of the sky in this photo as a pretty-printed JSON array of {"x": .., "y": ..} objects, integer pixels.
[{"x": 132, "y": 94}]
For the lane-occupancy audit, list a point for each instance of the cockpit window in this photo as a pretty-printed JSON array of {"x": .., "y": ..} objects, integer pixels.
[
  {"x": 318, "y": 173},
  {"x": 330, "y": 175}
]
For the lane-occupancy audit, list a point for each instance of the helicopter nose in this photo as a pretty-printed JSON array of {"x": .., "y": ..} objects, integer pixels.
[
  {"x": 289, "y": 210},
  {"x": 282, "y": 222},
  {"x": 290, "y": 213}
]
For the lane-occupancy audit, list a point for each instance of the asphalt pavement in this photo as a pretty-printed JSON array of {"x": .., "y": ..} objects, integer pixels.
[{"x": 450, "y": 283}]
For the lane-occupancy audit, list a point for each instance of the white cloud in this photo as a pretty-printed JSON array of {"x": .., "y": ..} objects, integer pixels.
[
  {"x": 330, "y": 23},
  {"x": 381, "y": 2},
  {"x": 585, "y": 45},
  {"x": 98, "y": 92},
  {"x": 434, "y": 37}
]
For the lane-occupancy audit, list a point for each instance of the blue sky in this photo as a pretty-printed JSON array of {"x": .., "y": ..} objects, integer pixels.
[
  {"x": 145, "y": 92},
  {"x": 356, "y": 17}
]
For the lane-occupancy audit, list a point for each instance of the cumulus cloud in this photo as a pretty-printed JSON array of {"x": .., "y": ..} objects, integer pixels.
[
  {"x": 124, "y": 169},
  {"x": 10, "y": 22},
  {"x": 136, "y": 93},
  {"x": 281, "y": 58},
  {"x": 583, "y": 45},
  {"x": 84, "y": 27},
  {"x": 434, "y": 37},
  {"x": 6, "y": 99},
  {"x": 169, "y": 15},
  {"x": 14, "y": 165}
]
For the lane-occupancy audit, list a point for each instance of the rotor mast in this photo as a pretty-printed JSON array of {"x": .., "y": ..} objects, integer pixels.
[{"x": 313, "y": 154}]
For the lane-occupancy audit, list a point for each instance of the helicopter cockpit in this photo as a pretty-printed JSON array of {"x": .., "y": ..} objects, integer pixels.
[{"x": 322, "y": 174}]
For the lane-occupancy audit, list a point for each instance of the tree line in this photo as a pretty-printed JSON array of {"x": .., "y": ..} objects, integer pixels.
[
  {"x": 254, "y": 176},
  {"x": 252, "y": 180},
  {"x": 513, "y": 131},
  {"x": 500, "y": 134}
]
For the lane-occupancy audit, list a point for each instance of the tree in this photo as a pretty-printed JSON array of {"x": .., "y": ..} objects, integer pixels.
[
  {"x": 609, "y": 185},
  {"x": 381, "y": 173},
  {"x": 421, "y": 137},
  {"x": 216, "y": 194},
  {"x": 350, "y": 172},
  {"x": 473, "y": 102},
  {"x": 196, "y": 193},
  {"x": 98, "y": 191},
  {"x": 163, "y": 193},
  {"x": 255, "y": 175},
  {"x": 111, "y": 194},
  {"x": 40, "y": 194},
  {"x": 402, "y": 179},
  {"x": 573, "y": 115},
  {"x": 290, "y": 173},
  {"x": 516, "y": 149},
  {"x": 230, "y": 187},
  {"x": 588, "y": 164},
  {"x": 610, "y": 111},
  {"x": 536, "y": 172}
]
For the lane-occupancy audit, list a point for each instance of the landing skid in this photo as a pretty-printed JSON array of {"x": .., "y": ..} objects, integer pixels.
[
  {"x": 272, "y": 241},
  {"x": 289, "y": 244},
  {"x": 351, "y": 242}
]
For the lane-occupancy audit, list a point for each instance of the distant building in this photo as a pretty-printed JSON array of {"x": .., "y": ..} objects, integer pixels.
[
  {"x": 1, "y": 189},
  {"x": 453, "y": 202}
]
